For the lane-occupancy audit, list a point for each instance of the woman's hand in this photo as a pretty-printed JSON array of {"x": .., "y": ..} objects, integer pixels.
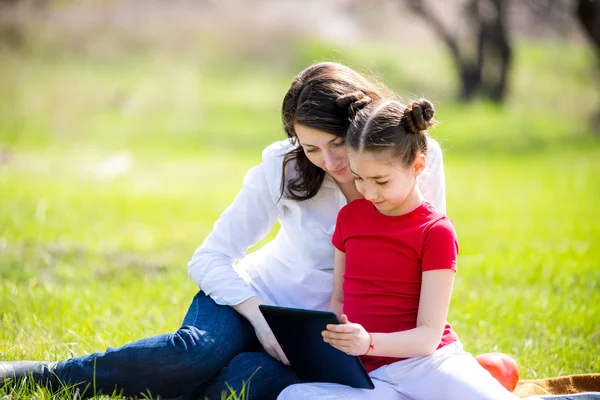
[
  {"x": 249, "y": 309},
  {"x": 350, "y": 338},
  {"x": 267, "y": 339}
]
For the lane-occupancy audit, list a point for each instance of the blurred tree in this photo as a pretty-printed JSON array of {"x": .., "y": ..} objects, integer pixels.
[
  {"x": 482, "y": 60},
  {"x": 11, "y": 26},
  {"x": 10, "y": 33},
  {"x": 588, "y": 14}
]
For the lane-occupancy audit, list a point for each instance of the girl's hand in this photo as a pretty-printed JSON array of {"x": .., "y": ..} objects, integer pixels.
[{"x": 350, "y": 338}]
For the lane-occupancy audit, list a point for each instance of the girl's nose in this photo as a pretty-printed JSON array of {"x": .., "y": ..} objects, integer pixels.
[{"x": 370, "y": 193}]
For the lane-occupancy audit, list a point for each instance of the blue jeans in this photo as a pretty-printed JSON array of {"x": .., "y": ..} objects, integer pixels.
[{"x": 215, "y": 348}]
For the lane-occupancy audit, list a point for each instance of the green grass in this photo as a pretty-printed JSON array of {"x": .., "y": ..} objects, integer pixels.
[{"x": 88, "y": 262}]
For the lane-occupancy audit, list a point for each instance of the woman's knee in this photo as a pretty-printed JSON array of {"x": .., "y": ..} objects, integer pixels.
[{"x": 195, "y": 350}]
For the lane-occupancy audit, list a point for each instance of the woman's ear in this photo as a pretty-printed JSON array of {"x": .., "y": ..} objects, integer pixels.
[{"x": 419, "y": 164}]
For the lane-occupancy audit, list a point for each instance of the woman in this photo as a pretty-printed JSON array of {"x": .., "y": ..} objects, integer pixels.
[{"x": 302, "y": 182}]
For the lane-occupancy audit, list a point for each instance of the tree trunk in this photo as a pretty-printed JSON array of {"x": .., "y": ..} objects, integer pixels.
[
  {"x": 498, "y": 52},
  {"x": 588, "y": 14},
  {"x": 483, "y": 61}
]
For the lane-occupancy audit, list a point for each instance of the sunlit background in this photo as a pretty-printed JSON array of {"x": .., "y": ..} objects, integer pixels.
[{"x": 126, "y": 128}]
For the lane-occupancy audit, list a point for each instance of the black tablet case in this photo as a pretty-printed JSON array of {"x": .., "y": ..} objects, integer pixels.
[{"x": 298, "y": 332}]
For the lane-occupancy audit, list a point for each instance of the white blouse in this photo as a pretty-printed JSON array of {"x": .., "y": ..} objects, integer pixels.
[{"x": 295, "y": 269}]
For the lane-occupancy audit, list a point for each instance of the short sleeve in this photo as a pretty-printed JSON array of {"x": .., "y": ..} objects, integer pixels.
[
  {"x": 338, "y": 238},
  {"x": 440, "y": 247}
]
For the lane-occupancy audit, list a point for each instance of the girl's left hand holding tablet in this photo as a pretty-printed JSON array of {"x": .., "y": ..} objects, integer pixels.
[{"x": 348, "y": 337}]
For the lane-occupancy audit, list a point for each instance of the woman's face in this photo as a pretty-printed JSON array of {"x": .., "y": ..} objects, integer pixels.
[{"x": 326, "y": 151}]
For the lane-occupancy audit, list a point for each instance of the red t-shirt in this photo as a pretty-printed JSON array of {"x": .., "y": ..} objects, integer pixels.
[{"x": 385, "y": 259}]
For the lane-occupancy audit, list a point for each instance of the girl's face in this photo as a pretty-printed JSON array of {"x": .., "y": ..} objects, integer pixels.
[
  {"x": 326, "y": 151},
  {"x": 384, "y": 181}
]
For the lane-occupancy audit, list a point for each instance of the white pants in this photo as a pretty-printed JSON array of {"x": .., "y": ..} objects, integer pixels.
[{"x": 450, "y": 373}]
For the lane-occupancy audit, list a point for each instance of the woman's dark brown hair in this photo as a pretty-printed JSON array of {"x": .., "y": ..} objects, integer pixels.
[
  {"x": 325, "y": 96},
  {"x": 389, "y": 125}
]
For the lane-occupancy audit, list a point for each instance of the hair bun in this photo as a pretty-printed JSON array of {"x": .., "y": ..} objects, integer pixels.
[
  {"x": 353, "y": 102},
  {"x": 418, "y": 116}
]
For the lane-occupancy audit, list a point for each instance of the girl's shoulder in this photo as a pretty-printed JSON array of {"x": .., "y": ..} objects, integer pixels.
[
  {"x": 359, "y": 208},
  {"x": 437, "y": 222}
]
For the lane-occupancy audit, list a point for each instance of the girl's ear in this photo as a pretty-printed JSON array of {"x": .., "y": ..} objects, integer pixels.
[{"x": 419, "y": 164}]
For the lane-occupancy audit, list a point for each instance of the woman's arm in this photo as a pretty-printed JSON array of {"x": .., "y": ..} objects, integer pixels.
[
  {"x": 336, "y": 303},
  {"x": 246, "y": 221},
  {"x": 436, "y": 290}
]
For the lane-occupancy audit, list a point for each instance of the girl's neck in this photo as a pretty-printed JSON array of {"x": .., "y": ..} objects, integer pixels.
[{"x": 413, "y": 200}]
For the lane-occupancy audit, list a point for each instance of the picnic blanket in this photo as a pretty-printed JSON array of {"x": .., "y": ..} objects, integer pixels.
[{"x": 568, "y": 384}]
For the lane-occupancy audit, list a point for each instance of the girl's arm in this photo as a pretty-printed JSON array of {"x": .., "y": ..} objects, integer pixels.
[
  {"x": 436, "y": 290},
  {"x": 336, "y": 303}
]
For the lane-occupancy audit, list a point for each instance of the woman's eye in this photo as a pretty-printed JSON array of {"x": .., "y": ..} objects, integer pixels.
[
  {"x": 340, "y": 143},
  {"x": 381, "y": 183},
  {"x": 309, "y": 150}
]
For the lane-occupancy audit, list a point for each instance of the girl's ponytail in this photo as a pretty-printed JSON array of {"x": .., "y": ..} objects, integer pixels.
[{"x": 417, "y": 116}]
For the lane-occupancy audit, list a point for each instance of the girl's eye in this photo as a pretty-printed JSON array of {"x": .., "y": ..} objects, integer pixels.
[
  {"x": 309, "y": 150},
  {"x": 339, "y": 143},
  {"x": 381, "y": 183}
]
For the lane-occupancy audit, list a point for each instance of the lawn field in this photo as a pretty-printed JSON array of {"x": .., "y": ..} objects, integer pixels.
[{"x": 112, "y": 174}]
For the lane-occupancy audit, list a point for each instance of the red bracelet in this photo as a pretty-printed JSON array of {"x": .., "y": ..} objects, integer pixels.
[{"x": 371, "y": 346}]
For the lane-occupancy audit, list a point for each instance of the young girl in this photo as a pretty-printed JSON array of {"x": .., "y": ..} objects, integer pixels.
[{"x": 395, "y": 260}]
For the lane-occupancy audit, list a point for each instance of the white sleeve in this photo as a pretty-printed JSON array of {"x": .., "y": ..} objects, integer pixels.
[
  {"x": 432, "y": 181},
  {"x": 246, "y": 221}
]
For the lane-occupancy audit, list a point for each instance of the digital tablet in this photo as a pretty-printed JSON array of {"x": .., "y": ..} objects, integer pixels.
[{"x": 298, "y": 332}]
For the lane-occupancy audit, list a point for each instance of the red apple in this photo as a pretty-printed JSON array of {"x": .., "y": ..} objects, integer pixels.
[{"x": 502, "y": 367}]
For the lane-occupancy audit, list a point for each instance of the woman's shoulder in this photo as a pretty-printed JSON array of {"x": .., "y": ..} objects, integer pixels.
[
  {"x": 272, "y": 159},
  {"x": 275, "y": 151},
  {"x": 270, "y": 169},
  {"x": 433, "y": 147}
]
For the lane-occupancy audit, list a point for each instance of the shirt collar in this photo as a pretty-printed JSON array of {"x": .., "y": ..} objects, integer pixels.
[{"x": 329, "y": 182}]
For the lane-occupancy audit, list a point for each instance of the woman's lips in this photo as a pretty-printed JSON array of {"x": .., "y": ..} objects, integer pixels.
[{"x": 341, "y": 171}]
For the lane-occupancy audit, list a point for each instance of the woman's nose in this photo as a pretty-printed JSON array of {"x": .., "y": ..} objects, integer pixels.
[{"x": 331, "y": 161}]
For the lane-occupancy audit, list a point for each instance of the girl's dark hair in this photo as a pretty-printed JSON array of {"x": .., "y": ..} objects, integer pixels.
[
  {"x": 325, "y": 96},
  {"x": 389, "y": 125}
]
